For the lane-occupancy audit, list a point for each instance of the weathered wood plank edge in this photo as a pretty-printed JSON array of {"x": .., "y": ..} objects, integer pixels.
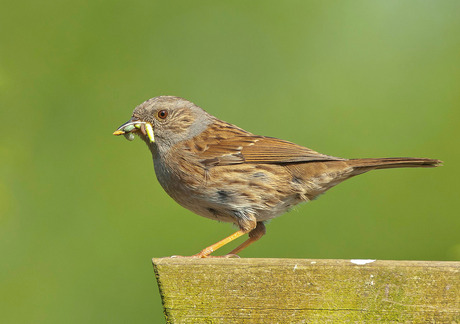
[
  {"x": 222, "y": 290},
  {"x": 312, "y": 262}
]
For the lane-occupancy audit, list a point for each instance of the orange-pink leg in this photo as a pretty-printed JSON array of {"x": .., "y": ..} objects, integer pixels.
[
  {"x": 254, "y": 235},
  {"x": 207, "y": 251}
]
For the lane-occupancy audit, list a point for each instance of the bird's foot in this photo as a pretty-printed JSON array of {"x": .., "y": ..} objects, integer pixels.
[{"x": 202, "y": 256}]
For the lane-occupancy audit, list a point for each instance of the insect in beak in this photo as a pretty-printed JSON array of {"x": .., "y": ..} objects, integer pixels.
[{"x": 128, "y": 128}]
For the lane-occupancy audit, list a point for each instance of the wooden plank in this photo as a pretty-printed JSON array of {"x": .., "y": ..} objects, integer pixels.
[{"x": 306, "y": 291}]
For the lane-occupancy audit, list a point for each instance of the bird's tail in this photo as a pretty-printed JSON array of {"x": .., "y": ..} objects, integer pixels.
[{"x": 363, "y": 165}]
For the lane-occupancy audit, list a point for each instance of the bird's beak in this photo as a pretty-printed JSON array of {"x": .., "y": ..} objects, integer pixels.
[{"x": 131, "y": 126}]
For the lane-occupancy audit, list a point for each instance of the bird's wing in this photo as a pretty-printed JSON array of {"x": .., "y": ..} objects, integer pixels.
[
  {"x": 274, "y": 150},
  {"x": 235, "y": 146}
]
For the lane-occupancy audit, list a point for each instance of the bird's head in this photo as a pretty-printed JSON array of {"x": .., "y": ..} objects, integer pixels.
[{"x": 164, "y": 121}]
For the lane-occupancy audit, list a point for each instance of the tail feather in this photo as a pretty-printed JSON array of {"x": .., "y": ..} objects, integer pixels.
[
  {"x": 321, "y": 176},
  {"x": 399, "y": 162}
]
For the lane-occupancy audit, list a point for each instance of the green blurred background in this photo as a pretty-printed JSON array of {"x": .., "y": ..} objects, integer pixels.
[{"x": 81, "y": 212}]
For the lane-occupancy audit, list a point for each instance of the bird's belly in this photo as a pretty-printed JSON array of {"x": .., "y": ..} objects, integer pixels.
[
  {"x": 189, "y": 190},
  {"x": 223, "y": 193}
]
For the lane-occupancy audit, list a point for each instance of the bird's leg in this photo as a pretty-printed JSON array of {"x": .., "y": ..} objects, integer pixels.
[
  {"x": 254, "y": 235},
  {"x": 247, "y": 223},
  {"x": 207, "y": 251}
]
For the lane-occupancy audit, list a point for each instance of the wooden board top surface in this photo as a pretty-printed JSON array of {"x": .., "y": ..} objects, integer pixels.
[{"x": 219, "y": 290}]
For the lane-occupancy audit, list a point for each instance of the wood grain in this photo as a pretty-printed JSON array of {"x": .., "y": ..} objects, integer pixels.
[{"x": 308, "y": 291}]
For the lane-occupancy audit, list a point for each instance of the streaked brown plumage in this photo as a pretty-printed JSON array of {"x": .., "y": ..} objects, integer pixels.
[{"x": 223, "y": 172}]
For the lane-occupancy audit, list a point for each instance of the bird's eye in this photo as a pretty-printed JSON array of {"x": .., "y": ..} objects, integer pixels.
[{"x": 162, "y": 114}]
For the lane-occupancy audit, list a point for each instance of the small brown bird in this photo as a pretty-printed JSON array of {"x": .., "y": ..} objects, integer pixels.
[{"x": 222, "y": 172}]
